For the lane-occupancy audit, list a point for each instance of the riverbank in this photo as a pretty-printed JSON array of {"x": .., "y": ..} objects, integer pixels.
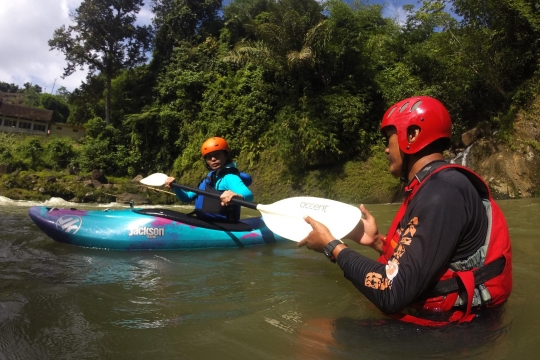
[
  {"x": 510, "y": 166},
  {"x": 509, "y": 173},
  {"x": 351, "y": 182},
  {"x": 94, "y": 187}
]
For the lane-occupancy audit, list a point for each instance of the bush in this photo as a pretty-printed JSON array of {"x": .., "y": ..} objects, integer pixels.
[
  {"x": 59, "y": 153},
  {"x": 30, "y": 153}
]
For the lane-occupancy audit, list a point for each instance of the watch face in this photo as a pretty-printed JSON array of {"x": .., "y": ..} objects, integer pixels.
[{"x": 327, "y": 253}]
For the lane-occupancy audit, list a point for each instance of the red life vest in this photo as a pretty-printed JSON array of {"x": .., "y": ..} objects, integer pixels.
[{"x": 499, "y": 285}]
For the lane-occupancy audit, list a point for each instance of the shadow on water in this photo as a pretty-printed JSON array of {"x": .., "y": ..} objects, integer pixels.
[{"x": 390, "y": 339}]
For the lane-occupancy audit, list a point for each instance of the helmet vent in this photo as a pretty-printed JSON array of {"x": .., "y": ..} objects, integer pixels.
[
  {"x": 391, "y": 112},
  {"x": 402, "y": 109},
  {"x": 416, "y": 105}
]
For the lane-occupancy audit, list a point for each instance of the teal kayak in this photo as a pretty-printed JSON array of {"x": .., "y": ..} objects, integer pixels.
[{"x": 147, "y": 229}]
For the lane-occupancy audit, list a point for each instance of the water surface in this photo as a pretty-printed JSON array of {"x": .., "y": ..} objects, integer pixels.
[{"x": 58, "y": 301}]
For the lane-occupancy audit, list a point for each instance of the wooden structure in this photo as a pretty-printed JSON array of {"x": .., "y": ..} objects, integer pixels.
[{"x": 34, "y": 121}]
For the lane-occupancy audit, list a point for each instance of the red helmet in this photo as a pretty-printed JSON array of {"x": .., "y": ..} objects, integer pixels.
[
  {"x": 214, "y": 144},
  {"x": 427, "y": 113}
]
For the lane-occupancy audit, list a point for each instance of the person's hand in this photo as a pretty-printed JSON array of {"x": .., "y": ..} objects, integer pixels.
[
  {"x": 169, "y": 181},
  {"x": 227, "y": 196},
  {"x": 318, "y": 238},
  {"x": 366, "y": 232}
]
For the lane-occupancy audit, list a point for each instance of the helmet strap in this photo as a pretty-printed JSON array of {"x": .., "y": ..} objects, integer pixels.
[{"x": 404, "y": 177}]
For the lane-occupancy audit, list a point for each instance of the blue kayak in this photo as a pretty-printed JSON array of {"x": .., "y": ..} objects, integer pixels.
[{"x": 147, "y": 229}]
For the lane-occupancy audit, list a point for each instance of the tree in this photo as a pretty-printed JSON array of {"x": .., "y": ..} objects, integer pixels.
[
  {"x": 104, "y": 38},
  {"x": 58, "y": 105},
  {"x": 177, "y": 21},
  {"x": 9, "y": 88}
]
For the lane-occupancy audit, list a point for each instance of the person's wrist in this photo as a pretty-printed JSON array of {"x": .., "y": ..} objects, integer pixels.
[
  {"x": 338, "y": 249},
  {"x": 333, "y": 248},
  {"x": 377, "y": 244}
]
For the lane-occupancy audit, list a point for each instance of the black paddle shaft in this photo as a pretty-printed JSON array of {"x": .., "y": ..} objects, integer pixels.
[{"x": 234, "y": 200}]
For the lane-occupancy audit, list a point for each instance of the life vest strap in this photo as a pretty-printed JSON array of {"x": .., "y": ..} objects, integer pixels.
[{"x": 481, "y": 275}]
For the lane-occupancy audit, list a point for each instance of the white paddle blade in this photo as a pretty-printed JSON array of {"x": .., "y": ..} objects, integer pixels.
[
  {"x": 286, "y": 217},
  {"x": 156, "y": 179}
]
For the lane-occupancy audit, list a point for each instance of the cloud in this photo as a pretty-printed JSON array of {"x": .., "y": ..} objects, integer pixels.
[
  {"x": 26, "y": 26},
  {"x": 394, "y": 10}
]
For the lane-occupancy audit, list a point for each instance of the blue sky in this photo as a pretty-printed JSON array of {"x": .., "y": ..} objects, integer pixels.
[{"x": 27, "y": 25}]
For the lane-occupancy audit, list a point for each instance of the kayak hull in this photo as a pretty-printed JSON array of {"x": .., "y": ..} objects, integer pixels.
[{"x": 155, "y": 229}]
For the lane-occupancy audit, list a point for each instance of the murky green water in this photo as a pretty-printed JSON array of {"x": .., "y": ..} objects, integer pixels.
[{"x": 270, "y": 302}]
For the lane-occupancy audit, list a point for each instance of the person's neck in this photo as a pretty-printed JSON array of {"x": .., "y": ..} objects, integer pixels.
[{"x": 417, "y": 164}]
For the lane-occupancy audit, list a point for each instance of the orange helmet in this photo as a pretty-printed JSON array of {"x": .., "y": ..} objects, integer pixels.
[
  {"x": 427, "y": 113},
  {"x": 214, "y": 144}
]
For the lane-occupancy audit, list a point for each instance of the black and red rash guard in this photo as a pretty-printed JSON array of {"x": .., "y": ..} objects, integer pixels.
[{"x": 450, "y": 224}]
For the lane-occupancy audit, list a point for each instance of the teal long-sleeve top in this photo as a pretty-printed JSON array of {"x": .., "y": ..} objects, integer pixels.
[{"x": 223, "y": 182}]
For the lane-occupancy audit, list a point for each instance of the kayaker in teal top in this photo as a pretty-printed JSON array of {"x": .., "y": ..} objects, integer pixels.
[{"x": 223, "y": 178}]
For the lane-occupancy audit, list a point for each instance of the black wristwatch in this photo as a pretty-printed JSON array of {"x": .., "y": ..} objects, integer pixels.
[{"x": 330, "y": 247}]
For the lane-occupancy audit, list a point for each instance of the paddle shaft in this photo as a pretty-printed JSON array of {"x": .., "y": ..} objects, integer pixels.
[{"x": 234, "y": 200}]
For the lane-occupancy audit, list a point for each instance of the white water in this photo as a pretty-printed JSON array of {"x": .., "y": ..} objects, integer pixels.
[
  {"x": 463, "y": 156},
  {"x": 61, "y": 203}
]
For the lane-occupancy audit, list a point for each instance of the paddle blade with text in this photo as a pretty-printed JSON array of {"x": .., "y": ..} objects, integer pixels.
[{"x": 286, "y": 217}]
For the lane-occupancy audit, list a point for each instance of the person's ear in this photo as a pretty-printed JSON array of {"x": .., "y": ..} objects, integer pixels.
[{"x": 412, "y": 133}]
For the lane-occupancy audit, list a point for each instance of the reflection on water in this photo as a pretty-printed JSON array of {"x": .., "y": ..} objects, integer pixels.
[{"x": 270, "y": 302}]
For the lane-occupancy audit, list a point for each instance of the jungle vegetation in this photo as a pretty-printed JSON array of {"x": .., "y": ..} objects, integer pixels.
[{"x": 299, "y": 83}]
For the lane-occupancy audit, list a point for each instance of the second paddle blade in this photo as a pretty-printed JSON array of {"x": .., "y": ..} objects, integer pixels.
[{"x": 286, "y": 217}]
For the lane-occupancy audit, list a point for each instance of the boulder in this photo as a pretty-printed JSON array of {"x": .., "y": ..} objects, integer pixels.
[
  {"x": 476, "y": 133},
  {"x": 73, "y": 170},
  {"x": 98, "y": 175},
  {"x": 88, "y": 197},
  {"x": 126, "y": 198},
  {"x": 97, "y": 184},
  {"x": 93, "y": 183}
]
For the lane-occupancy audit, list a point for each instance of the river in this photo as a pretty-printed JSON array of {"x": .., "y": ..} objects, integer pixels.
[{"x": 58, "y": 301}]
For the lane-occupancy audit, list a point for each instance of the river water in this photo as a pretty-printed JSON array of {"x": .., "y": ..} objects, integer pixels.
[{"x": 58, "y": 301}]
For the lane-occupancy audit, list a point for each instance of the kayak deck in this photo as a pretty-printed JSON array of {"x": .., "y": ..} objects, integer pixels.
[{"x": 147, "y": 229}]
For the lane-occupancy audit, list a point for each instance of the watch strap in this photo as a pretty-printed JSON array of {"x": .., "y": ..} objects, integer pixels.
[{"x": 329, "y": 248}]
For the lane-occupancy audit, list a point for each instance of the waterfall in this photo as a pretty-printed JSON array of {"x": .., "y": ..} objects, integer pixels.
[{"x": 463, "y": 156}]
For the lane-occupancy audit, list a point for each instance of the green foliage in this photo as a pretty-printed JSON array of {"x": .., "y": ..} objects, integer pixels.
[
  {"x": 30, "y": 153},
  {"x": 31, "y": 97},
  {"x": 130, "y": 93},
  {"x": 298, "y": 84},
  {"x": 87, "y": 101},
  {"x": 95, "y": 128},
  {"x": 58, "y": 105},
  {"x": 182, "y": 21},
  {"x": 60, "y": 153},
  {"x": 57, "y": 190},
  {"x": 8, "y": 88},
  {"x": 103, "y": 150},
  {"x": 96, "y": 154}
]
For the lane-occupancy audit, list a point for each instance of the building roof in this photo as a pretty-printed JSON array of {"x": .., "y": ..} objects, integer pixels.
[{"x": 25, "y": 112}]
